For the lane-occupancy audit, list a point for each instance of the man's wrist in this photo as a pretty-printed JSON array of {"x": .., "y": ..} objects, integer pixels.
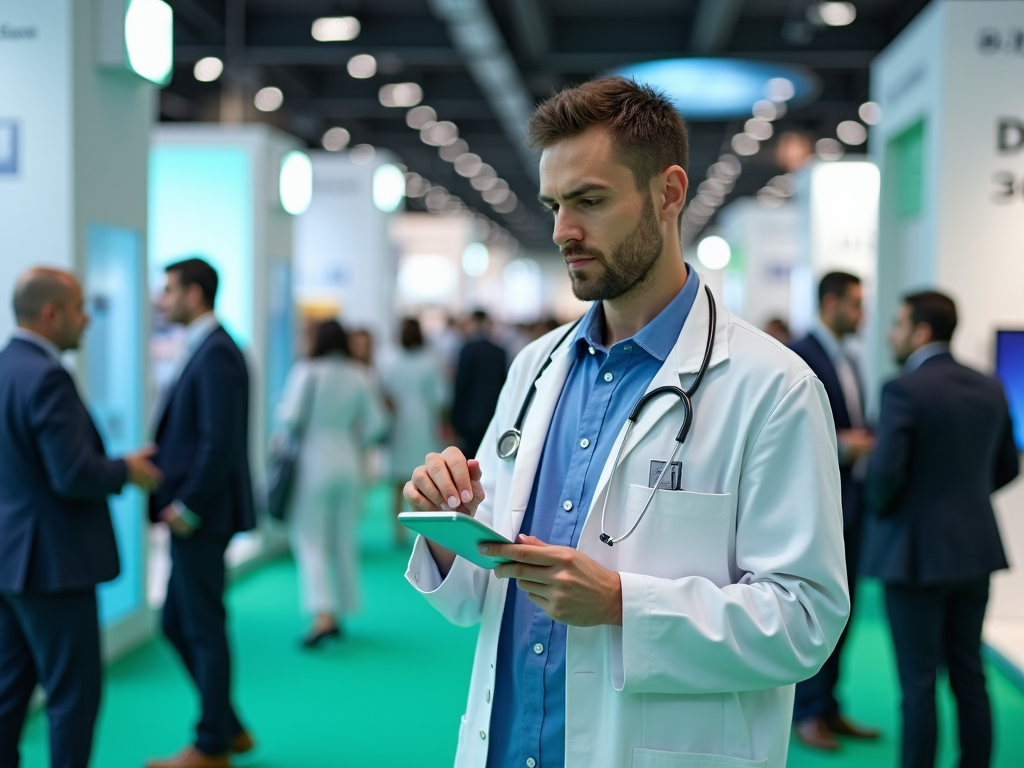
[
  {"x": 191, "y": 519},
  {"x": 615, "y": 602}
]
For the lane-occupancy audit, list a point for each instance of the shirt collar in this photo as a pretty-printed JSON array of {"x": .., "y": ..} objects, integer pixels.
[
  {"x": 198, "y": 330},
  {"x": 40, "y": 341},
  {"x": 659, "y": 336},
  {"x": 833, "y": 346},
  {"x": 921, "y": 354}
]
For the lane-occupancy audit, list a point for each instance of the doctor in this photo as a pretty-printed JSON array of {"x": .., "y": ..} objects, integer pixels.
[{"x": 679, "y": 645}]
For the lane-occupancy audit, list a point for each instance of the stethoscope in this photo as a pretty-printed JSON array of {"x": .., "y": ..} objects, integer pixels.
[{"x": 508, "y": 443}]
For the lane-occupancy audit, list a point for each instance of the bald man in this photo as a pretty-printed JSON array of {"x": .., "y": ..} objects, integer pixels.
[{"x": 56, "y": 537}]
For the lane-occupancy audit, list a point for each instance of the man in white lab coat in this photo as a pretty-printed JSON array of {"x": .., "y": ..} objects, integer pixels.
[{"x": 679, "y": 645}]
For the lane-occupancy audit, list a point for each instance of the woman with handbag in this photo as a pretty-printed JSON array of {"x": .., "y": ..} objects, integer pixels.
[{"x": 332, "y": 409}]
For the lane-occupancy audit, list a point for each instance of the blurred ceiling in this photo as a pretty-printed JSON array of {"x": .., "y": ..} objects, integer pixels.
[{"x": 483, "y": 64}]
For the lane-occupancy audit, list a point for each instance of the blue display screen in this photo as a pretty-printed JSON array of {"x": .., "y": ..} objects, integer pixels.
[{"x": 1010, "y": 370}]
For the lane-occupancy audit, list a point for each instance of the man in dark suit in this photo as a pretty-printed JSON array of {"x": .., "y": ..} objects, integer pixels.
[
  {"x": 479, "y": 377},
  {"x": 945, "y": 443},
  {"x": 56, "y": 537},
  {"x": 203, "y": 438},
  {"x": 816, "y": 710}
]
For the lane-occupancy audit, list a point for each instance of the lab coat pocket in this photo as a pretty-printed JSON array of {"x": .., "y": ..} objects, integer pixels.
[
  {"x": 682, "y": 534},
  {"x": 655, "y": 758}
]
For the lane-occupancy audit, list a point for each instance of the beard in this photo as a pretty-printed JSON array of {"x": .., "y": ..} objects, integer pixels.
[{"x": 630, "y": 264}]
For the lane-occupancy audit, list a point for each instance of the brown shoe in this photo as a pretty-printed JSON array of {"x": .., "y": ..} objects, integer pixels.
[
  {"x": 190, "y": 757},
  {"x": 815, "y": 733},
  {"x": 242, "y": 742},
  {"x": 844, "y": 727}
]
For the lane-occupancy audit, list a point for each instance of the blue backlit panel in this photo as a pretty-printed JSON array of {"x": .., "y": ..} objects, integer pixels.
[
  {"x": 717, "y": 89},
  {"x": 1010, "y": 369}
]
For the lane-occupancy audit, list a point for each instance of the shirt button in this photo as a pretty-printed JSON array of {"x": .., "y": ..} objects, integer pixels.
[
  {"x": 531, "y": 763},
  {"x": 566, "y": 505},
  {"x": 538, "y": 648},
  {"x": 584, "y": 443},
  {"x": 591, "y": 350},
  {"x": 483, "y": 734},
  {"x": 608, "y": 376}
]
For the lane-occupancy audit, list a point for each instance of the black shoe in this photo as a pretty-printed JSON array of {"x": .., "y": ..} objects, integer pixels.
[{"x": 314, "y": 637}]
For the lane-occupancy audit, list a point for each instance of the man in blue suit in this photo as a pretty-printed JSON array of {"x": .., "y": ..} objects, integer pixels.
[
  {"x": 945, "y": 444},
  {"x": 56, "y": 537},
  {"x": 816, "y": 710},
  {"x": 206, "y": 498}
]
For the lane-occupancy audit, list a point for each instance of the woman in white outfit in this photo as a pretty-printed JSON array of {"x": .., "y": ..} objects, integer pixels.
[
  {"x": 414, "y": 384},
  {"x": 331, "y": 401}
]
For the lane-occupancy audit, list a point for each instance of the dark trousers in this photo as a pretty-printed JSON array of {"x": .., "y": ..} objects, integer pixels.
[
  {"x": 53, "y": 640},
  {"x": 195, "y": 621},
  {"x": 931, "y": 627},
  {"x": 816, "y": 696}
]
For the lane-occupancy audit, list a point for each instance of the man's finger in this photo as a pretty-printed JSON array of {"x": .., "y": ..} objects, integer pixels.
[
  {"x": 540, "y": 574},
  {"x": 523, "y": 553},
  {"x": 459, "y": 469},
  {"x": 423, "y": 483},
  {"x": 440, "y": 471},
  {"x": 534, "y": 588},
  {"x": 418, "y": 500},
  {"x": 475, "y": 473}
]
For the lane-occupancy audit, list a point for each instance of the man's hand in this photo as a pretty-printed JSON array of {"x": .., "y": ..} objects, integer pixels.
[
  {"x": 176, "y": 522},
  {"x": 855, "y": 443},
  {"x": 141, "y": 471},
  {"x": 446, "y": 481},
  {"x": 567, "y": 585}
]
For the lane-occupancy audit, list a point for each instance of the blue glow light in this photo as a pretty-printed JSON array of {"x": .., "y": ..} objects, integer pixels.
[{"x": 717, "y": 89}]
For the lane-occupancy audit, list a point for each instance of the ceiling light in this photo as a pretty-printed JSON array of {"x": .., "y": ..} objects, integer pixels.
[
  {"x": 453, "y": 151},
  {"x": 770, "y": 197},
  {"x": 475, "y": 259},
  {"x": 295, "y": 182},
  {"x": 829, "y": 149},
  {"x": 758, "y": 128},
  {"x": 851, "y": 132},
  {"x": 714, "y": 252},
  {"x": 507, "y": 205},
  {"x": 468, "y": 165},
  {"x": 208, "y": 69},
  {"x": 388, "y": 187},
  {"x": 498, "y": 192},
  {"x": 485, "y": 178},
  {"x": 416, "y": 185},
  {"x": 335, "y": 139},
  {"x": 870, "y": 113},
  {"x": 420, "y": 117},
  {"x": 362, "y": 154},
  {"x": 400, "y": 95},
  {"x": 362, "y": 66},
  {"x": 780, "y": 89},
  {"x": 268, "y": 99},
  {"x": 835, "y": 14},
  {"x": 331, "y": 29},
  {"x": 766, "y": 110},
  {"x": 786, "y": 184},
  {"x": 149, "y": 39},
  {"x": 436, "y": 199},
  {"x": 439, "y": 134},
  {"x": 745, "y": 144}
]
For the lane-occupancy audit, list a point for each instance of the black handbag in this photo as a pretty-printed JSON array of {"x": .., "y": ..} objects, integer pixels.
[{"x": 283, "y": 463}]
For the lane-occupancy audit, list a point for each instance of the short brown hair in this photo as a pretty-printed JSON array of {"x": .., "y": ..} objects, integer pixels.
[
  {"x": 648, "y": 132},
  {"x": 934, "y": 309}
]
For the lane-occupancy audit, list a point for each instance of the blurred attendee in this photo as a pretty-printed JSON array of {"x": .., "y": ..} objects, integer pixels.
[
  {"x": 203, "y": 438},
  {"x": 332, "y": 401},
  {"x": 479, "y": 378},
  {"x": 778, "y": 329},
  {"x": 816, "y": 710},
  {"x": 945, "y": 443},
  {"x": 448, "y": 343},
  {"x": 413, "y": 382},
  {"x": 56, "y": 538},
  {"x": 360, "y": 347}
]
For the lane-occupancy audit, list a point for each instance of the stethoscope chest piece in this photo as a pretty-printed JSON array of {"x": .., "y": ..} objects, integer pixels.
[{"x": 508, "y": 443}]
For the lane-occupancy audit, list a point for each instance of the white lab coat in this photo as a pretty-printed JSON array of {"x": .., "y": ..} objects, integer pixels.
[
  {"x": 733, "y": 589},
  {"x": 414, "y": 380}
]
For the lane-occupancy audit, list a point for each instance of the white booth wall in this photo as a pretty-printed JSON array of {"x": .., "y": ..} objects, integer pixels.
[
  {"x": 74, "y": 139},
  {"x": 945, "y": 85}
]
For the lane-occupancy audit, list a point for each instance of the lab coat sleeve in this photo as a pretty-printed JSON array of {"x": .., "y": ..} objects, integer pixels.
[{"x": 778, "y": 624}]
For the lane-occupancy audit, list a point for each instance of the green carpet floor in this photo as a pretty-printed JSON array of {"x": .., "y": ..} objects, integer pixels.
[{"x": 392, "y": 693}]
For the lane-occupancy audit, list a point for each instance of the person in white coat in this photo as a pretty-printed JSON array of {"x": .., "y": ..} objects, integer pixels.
[
  {"x": 414, "y": 383},
  {"x": 330, "y": 400},
  {"x": 679, "y": 646}
]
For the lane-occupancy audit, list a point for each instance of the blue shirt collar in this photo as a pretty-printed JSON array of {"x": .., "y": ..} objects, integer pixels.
[
  {"x": 921, "y": 354},
  {"x": 658, "y": 337}
]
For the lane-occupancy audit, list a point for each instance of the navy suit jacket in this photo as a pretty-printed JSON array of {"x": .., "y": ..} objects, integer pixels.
[
  {"x": 478, "y": 381},
  {"x": 945, "y": 443},
  {"x": 203, "y": 441},
  {"x": 817, "y": 359},
  {"x": 55, "y": 529}
]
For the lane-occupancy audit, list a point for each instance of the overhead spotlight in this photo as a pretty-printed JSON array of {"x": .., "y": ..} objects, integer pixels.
[
  {"x": 779, "y": 89},
  {"x": 758, "y": 128},
  {"x": 870, "y": 113},
  {"x": 362, "y": 154},
  {"x": 208, "y": 69},
  {"x": 295, "y": 182},
  {"x": 829, "y": 149},
  {"x": 497, "y": 193},
  {"x": 770, "y": 197},
  {"x": 455, "y": 150},
  {"x": 832, "y": 14},
  {"x": 420, "y": 117},
  {"x": 786, "y": 184},
  {"x": 507, "y": 205},
  {"x": 416, "y": 185},
  {"x": 468, "y": 165},
  {"x": 851, "y": 132},
  {"x": 335, "y": 139},
  {"x": 475, "y": 259},
  {"x": 732, "y": 162},
  {"x": 330, "y": 29},
  {"x": 400, "y": 95},
  {"x": 268, "y": 99},
  {"x": 745, "y": 144},
  {"x": 388, "y": 187},
  {"x": 362, "y": 66},
  {"x": 485, "y": 178},
  {"x": 714, "y": 252},
  {"x": 439, "y": 134},
  {"x": 436, "y": 199},
  {"x": 766, "y": 110}
]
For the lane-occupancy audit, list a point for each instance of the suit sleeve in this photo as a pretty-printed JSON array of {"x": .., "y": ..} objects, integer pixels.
[
  {"x": 888, "y": 466},
  {"x": 222, "y": 420},
  {"x": 460, "y": 389},
  {"x": 782, "y": 619},
  {"x": 75, "y": 466},
  {"x": 1007, "y": 463}
]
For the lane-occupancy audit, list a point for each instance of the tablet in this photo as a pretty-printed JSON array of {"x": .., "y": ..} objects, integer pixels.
[{"x": 460, "y": 533}]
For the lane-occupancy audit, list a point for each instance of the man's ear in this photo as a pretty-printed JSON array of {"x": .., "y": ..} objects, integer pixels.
[{"x": 673, "y": 184}]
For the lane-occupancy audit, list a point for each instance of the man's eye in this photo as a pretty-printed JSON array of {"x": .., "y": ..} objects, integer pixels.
[{"x": 587, "y": 202}]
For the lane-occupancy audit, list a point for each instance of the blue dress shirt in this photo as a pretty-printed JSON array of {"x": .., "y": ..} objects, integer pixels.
[{"x": 528, "y": 719}]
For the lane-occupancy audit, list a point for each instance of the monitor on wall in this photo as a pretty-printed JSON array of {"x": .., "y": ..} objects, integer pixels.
[{"x": 1010, "y": 370}]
